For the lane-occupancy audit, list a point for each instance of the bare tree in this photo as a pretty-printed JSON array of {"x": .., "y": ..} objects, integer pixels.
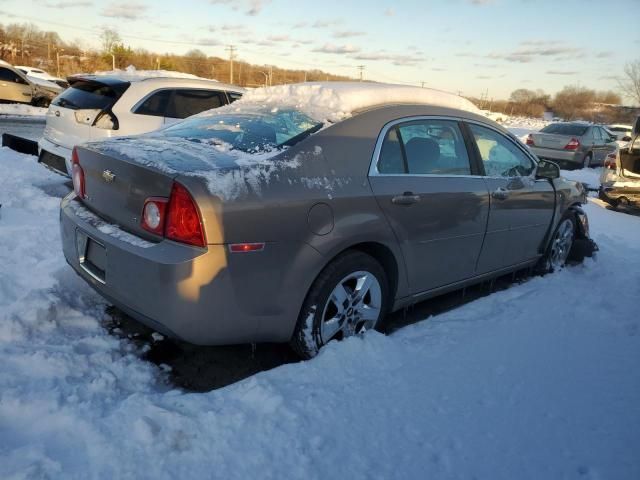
[
  {"x": 630, "y": 83},
  {"x": 109, "y": 38}
]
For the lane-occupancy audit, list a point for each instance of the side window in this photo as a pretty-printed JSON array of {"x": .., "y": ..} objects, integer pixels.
[
  {"x": 190, "y": 102},
  {"x": 156, "y": 104},
  {"x": 9, "y": 76},
  {"x": 434, "y": 147},
  {"x": 500, "y": 156}
]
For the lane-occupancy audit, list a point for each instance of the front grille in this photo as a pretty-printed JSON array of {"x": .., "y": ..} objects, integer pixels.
[{"x": 54, "y": 162}]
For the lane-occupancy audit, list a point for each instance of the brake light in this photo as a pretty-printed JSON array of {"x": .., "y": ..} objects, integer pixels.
[
  {"x": 529, "y": 140},
  {"x": 154, "y": 215},
  {"x": 573, "y": 144},
  {"x": 183, "y": 222},
  {"x": 77, "y": 174}
]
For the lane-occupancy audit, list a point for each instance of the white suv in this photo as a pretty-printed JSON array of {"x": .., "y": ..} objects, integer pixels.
[{"x": 96, "y": 107}]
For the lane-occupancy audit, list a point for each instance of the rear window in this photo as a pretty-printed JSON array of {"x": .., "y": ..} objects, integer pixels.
[
  {"x": 565, "y": 129},
  {"x": 88, "y": 95},
  {"x": 248, "y": 132}
]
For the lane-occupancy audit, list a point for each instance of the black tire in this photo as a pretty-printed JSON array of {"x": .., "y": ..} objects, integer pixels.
[
  {"x": 588, "y": 158},
  {"x": 307, "y": 339},
  {"x": 548, "y": 263}
]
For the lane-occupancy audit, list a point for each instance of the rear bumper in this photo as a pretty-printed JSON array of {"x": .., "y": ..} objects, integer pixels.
[
  {"x": 202, "y": 296},
  {"x": 562, "y": 157},
  {"x": 615, "y": 195},
  {"x": 56, "y": 150}
]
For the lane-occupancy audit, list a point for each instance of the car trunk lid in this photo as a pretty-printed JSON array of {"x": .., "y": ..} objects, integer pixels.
[{"x": 550, "y": 140}]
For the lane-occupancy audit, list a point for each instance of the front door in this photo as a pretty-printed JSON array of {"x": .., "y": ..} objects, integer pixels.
[
  {"x": 436, "y": 203},
  {"x": 521, "y": 207},
  {"x": 14, "y": 88}
]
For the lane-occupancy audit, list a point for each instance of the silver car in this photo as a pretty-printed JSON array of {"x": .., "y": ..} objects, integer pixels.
[
  {"x": 258, "y": 223},
  {"x": 572, "y": 144}
]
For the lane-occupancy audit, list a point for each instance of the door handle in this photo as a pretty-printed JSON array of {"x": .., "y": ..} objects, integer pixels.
[
  {"x": 407, "y": 198},
  {"x": 500, "y": 193}
]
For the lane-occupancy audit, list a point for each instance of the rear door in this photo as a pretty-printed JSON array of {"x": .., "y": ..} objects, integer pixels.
[
  {"x": 521, "y": 207},
  {"x": 187, "y": 102},
  {"x": 434, "y": 198},
  {"x": 153, "y": 109},
  {"x": 13, "y": 87}
]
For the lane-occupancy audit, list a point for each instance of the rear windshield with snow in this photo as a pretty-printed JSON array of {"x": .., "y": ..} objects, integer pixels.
[
  {"x": 249, "y": 132},
  {"x": 87, "y": 95},
  {"x": 565, "y": 129}
]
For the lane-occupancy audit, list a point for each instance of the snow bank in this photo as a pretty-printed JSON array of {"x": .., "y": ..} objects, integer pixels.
[
  {"x": 131, "y": 73},
  {"x": 523, "y": 126},
  {"x": 22, "y": 110},
  {"x": 539, "y": 381},
  {"x": 334, "y": 101}
]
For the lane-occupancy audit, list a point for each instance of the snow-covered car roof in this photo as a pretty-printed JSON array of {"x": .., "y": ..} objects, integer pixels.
[{"x": 334, "y": 101}]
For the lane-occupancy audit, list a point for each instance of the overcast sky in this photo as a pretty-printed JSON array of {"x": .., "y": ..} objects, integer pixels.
[{"x": 470, "y": 46}]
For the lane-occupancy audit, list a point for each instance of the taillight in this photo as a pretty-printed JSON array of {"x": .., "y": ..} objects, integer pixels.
[
  {"x": 529, "y": 140},
  {"x": 154, "y": 214},
  {"x": 573, "y": 144},
  {"x": 77, "y": 174},
  {"x": 183, "y": 222},
  {"x": 106, "y": 120},
  {"x": 610, "y": 161}
]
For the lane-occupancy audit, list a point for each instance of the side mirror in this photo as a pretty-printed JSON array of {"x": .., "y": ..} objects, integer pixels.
[{"x": 547, "y": 170}]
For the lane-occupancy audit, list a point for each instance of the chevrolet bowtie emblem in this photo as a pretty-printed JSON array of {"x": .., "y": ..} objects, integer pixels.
[{"x": 108, "y": 176}]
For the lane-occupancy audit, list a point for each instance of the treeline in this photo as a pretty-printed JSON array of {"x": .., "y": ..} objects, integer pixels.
[
  {"x": 570, "y": 103},
  {"x": 26, "y": 44}
]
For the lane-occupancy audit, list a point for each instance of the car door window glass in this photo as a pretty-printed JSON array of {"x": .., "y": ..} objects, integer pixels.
[
  {"x": 434, "y": 147},
  {"x": 156, "y": 104},
  {"x": 500, "y": 156},
  {"x": 9, "y": 76},
  {"x": 190, "y": 102}
]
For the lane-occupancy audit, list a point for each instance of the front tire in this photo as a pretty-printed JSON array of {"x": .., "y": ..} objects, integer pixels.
[
  {"x": 348, "y": 298},
  {"x": 561, "y": 244}
]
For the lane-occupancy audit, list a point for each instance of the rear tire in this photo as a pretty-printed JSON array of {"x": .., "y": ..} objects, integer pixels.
[{"x": 349, "y": 297}]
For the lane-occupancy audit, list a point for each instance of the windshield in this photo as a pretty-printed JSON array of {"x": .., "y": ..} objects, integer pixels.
[
  {"x": 565, "y": 129},
  {"x": 249, "y": 132}
]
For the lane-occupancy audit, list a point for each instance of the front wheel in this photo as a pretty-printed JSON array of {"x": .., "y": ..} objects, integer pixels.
[
  {"x": 348, "y": 298},
  {"x": 561, "y": 244}
]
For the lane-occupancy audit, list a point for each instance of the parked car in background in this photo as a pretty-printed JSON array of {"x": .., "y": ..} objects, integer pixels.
[
  {"x": 620, "y": 181},
  {"x": 269, "y": 223},
  {"x": 16, "y": 87},
  {"x": 622, "y": 132},
  {"x": 41, "y": 74},
  {"x": 95, "y": 107},
  {"x": 572, "y": 144}
]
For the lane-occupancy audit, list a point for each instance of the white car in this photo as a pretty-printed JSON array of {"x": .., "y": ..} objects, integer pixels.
[
  {"x": 95, "y": 107},
  {"x": 33, "y": 72},
  {"x": 622, "y": 132}
]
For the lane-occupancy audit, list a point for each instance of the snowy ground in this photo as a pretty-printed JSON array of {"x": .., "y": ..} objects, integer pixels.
[
  {"x": 539, "y": 381},
  {"x": 22, "y": 110}
]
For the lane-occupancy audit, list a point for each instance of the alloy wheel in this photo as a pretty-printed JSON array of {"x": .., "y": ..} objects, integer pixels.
[
  {"x": 353, "y": 306},
  {"x": 561, "y": 244}
]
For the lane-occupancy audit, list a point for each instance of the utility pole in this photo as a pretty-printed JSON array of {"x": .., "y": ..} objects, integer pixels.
[
  {"x": 361, "y": 69},
  {"x": 421, "y": 84},
  {"x": 270, "y": 75},
  {"x": 113, "y": 61},
  {"x": 231, "y": 49}
]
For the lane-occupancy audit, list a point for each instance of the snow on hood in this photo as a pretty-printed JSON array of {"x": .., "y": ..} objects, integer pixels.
[
  {"x": 131, "y": 73},
  {"x": 334, "y": 101}
]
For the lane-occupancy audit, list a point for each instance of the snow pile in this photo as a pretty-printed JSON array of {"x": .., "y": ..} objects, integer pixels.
[
  {"x": 334, "y": 101},
  {"x": 132, "y": 74},
  {"x": 22, "y": 110},
  {"x": 538, "y": 381},
  {"x": 590, "y": 176}
]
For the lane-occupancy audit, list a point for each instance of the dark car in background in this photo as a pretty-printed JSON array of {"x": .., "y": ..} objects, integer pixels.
[
  {"x": 265, "y": 223},
  {"x": 572, "y": 144}
]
